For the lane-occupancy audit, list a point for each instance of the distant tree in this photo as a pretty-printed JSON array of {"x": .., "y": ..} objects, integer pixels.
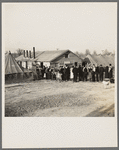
[
  {"x": 94, "y": 52},
  {"x": 77, "y": 53},
  {"x": 105, "y": 52},
  {"x": 81, "y": 55},
  {"x": 87, "y": 52},
  {"x": 19, "y": 51}
]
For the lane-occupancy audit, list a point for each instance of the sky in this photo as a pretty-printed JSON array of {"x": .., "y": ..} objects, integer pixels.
[{"x": 50, "y": 26}]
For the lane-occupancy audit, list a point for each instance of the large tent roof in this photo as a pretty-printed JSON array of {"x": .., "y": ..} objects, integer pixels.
[
  {"x": 11, "y": 65},
  {"x": 110, "y": 59},
  {"x": 99, "y": 59}
]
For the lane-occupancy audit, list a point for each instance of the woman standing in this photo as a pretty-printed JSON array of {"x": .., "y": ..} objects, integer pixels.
[{"x": 71, "y": 73}]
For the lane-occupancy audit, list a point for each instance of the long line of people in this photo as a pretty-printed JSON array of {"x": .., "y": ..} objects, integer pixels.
[
  {"x": 92, "y": 73},
  {"x": 75, "y": 73}
]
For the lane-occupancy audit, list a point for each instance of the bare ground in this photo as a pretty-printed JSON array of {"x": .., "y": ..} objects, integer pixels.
[{"x": 54, "y": 99}]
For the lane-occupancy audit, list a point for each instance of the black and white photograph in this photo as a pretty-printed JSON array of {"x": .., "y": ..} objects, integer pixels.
[{"x": 59, "y": 60}]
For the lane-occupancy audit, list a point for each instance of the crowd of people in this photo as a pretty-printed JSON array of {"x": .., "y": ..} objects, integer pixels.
[{"x": 75, "y": 73}]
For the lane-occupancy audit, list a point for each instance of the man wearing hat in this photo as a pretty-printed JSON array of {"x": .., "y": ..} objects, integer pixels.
[{"x": 101, "y": 72}]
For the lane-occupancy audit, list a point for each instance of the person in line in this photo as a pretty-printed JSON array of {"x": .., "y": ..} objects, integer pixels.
[
  {"x": 80, "y": 72},
  {"x": 85, "y": 73},
  {"x": 90, "y": 74},
  {"x": 64, "y": 73},
  {"x": 54, "y": 74},
  {"x": 58, "y": 76},
  {"x": 40, "y": 72},
  {"x": 106, "y": 72},
  {"x": 68, "y": 73},
  {"x": 71, "y": 72},
  {"x": 110, "y": 71},
  {"x": 101, "y": 73},
  {"x": 37, "y": 71},
  {"x": 93, "y": 73},
  {"x": 97, "y": 73},
  {"x": 51, "y": 73},
  {"x": 75, "y": 74},
  {"x": 43, "y": 71},
  {"x": 46, "y": 71}
]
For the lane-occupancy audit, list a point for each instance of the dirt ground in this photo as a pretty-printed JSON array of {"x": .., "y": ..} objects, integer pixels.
[{"x": 46, "y": 98}]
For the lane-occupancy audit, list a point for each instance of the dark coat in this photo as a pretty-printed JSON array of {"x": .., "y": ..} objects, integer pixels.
[
  {"x": 101, "y": 70},
  {"x": 97, "y": 70},
  {"x": 80, "y": 70},
  {"x": 67, "y": 70},
  {"x": 75, "y": 70},
  {"x": 106, "y": 72}
]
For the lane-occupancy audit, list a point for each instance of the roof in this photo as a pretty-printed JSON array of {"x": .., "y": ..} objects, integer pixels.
[
  {"x": 110, "y": 59},
  {"x": 22, "y": 58},
  {"x": 100, "y": 59},
  {"x": 48, "y": 56},
  {"x": 37, "y": 53},
  {"x": 70, "y": 59},
  {"x": 11, "y": 65}
]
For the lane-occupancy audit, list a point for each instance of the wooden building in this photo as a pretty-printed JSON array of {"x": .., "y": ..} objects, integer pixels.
[
  {"x": 54, "y": 58},
  {"x": 58, "y": 58}
]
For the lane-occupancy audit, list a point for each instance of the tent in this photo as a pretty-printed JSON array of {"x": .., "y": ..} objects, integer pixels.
[
  {"x": 99, "y": 59},
  {"x": 11, "y": 66}
]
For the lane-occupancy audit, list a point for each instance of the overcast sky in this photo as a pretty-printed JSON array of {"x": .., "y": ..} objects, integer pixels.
[{"x": 48, "y": 26}]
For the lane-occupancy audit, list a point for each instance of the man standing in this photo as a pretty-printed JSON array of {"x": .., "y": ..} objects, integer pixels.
[
  {"x": 75, "y": 73},
  {"x": 85, "y": 73},
  {"x": 106, "y": 72},
  {"x": 97, "y": 73},
  {"x": 67, "y": 73},
  {"x": 62, "y": 73},
  {"x": 93, "y": 73},
  {"x": 101, "y": 73},
  {"x": 110, "y": 71},
  {"x": 80, "y": 72}
]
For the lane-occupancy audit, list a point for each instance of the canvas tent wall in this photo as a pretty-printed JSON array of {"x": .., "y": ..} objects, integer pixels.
[
  {"x": 11, "y": 66},
  {"x": 110, "y": 59},
  {"x": 99, "y": 59}
]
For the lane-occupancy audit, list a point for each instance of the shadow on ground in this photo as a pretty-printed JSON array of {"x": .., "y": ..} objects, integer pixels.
[{"x": 101, "y": 112}]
